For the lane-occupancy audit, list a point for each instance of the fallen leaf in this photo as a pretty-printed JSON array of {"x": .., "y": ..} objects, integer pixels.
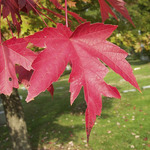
[{"x": 145, "y": 139}]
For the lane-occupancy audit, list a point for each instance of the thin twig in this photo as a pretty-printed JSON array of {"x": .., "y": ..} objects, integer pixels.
[
  {"x": 10, "y": 27},
  {"x": 38, "y": 13}
]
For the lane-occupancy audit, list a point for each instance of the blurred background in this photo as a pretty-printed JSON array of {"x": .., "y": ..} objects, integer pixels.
[{"x": 124, "y": 124}]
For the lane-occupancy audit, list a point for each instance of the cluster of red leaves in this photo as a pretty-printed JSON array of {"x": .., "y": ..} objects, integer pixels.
[
  {"x": 119, "y": 5},
  {"x": 83, "y": 48},
  {"x": 59, "y": 6},
  {"x": 14, "y": 7}
]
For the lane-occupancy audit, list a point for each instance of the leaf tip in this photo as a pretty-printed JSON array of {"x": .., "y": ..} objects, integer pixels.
[
  {"x": 87, "y": 139},
  {"x": 140, "y": 90},
  {"x": 71, "y": 100},
  {"x": 29, "y": 99}
]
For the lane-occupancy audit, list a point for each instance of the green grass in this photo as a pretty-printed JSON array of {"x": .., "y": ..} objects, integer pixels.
[{"x": 123, "y": 125}]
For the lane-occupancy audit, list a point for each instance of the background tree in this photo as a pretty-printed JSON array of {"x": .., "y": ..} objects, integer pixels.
[{"x": 18, "y": 9}]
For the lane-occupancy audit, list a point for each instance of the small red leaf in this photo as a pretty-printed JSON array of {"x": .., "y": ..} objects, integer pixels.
[
  {"x": 50, "y": 89},
  {"x": 119, "y": 5},
  {"x": 145, "y": 139},
  {"x": 13, "y": 52},
  {"x": 11, "y": 6},
  {"x": 24, "y": 78},
  {"x": 26, "y": 5}
]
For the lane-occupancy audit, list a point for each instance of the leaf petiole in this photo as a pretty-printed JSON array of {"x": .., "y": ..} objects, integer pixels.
[{"x": 66, "y": 13}]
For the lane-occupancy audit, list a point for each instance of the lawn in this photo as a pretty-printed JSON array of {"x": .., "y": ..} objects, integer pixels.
[{"x": 123, "y": 125}]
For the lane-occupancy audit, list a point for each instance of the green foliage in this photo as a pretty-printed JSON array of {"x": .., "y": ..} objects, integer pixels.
[{"x": 132, "y": 42}]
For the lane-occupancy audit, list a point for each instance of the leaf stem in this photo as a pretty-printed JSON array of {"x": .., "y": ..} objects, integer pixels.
[
  {"x": 10, "y": 27},
  {"x": 66, "y": 13},
  {"x": 47, "y": 17},
  {"x": 38, "y": 13}
]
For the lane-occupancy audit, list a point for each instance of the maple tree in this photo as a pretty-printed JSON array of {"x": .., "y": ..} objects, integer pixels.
[{"x": 83, "y": 49}]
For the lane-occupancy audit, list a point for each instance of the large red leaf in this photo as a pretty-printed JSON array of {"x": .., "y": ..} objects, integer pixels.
[
  {"x": 51, "y": 62},
  {"x": 119, "y": 5},
  {"x": 83, "y": 48},
  {"x": 13, "y": 52}
]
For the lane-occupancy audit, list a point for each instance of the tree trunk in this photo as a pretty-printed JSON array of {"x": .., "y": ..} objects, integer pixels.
[{"x": 15, "y": 121}]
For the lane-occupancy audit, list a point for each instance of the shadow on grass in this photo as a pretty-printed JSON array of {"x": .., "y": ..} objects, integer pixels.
[
  {"x": 137, "y": 62},
  {"x": 47, "y": 112},
  {"x": 43, "y": 117},
  {"x": 43, "y": 120},
  {"x": 56, "y": 132},
  {"x": 79, "y": 107}
]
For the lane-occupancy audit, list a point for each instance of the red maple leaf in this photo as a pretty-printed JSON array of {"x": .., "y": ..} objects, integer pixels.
[
  {"x": 119, "y": 5},
  {"x": 23, "y": 75},
  {"x": 83, "y": 48},
  {"x": 50, "y": 89},
  {"x": 13, "y": 52},
  {"x": 26, "y": 5}
]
